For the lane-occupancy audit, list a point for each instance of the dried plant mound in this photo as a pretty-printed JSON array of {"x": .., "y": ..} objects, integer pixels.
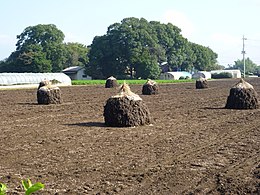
[
  {"x": 111, "y": 82},
  {"x": 242, "y": 96},
  {"x": 44, "y": 83},
  {"x": 201, "y": 83},
  {"x": 150, "y": 88},
  {"x": 48, "y": 94},
  {"x": 126, "y": 109}
]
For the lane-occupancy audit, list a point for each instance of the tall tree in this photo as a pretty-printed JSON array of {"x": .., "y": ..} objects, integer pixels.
[
  {"x": 76, "y": 54},
  {"x": 205, "y": 57},
  {"x": 189, "y": 58},
  {"x": 141, "y": 45},
  {"x": 31, "y": 60},
  {"x": 177, "y": 52},
  {"x": 128, "y": 48},
  {"x": 40, "y": 47},
  {"x": 99, "y": 58},
  {"x": 137, "y": 48}
]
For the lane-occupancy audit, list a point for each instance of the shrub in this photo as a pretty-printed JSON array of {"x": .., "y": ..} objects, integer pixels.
[{"x": 221, "y": 75}]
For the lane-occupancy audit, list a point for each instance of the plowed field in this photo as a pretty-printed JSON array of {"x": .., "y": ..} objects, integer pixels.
[{"x": 194, "y": 146}]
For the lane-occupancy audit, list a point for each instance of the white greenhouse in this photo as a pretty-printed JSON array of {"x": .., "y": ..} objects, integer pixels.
[
  {"x": 202, "y": 74},
  {"x": 7, "y": 79},
  {"x": 235, "y": 73},
  {"x": 175, "y": 75}
]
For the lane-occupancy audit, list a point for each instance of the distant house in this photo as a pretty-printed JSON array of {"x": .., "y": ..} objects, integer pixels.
[
  {"x": 235, "y": 73},
  {"x": 76, "y": 73},
  {"x": 175, "y": 75},
  {"x": 202, "y": 74}
]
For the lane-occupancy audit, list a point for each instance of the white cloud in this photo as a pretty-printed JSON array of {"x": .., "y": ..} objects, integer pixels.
[{"x": 180, "y": 20}]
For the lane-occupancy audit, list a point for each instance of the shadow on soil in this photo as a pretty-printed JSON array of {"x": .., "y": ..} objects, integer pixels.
[
  {"x": 28, "y": 103},
  {"x": 214, "y": 108},
  {"x": 88, "y": 124}
]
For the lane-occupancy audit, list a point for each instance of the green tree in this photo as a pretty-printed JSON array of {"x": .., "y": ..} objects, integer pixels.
[
  {"x": 39, "y": 48},
  {"x": 250, "y": 66},
  {"x": 141, "y": 45},
  {"x": 147, "y": 66},
  {"x": 189, "y": 58},
  {"x": 31, "y": 60},
  {"x": 177, "y": 52},
  {"x": 4, "y": 67},
  {"x": 206, "y": 59},
  {"x": 122, "y": 50},
  {"x": 99, "y": 58},
  {"x": 136, "y": 48},
  {"x": 76, "y": 54}
]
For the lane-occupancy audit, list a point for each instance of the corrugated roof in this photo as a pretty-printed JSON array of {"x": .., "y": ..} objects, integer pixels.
[{"x": 73, "y": 69}]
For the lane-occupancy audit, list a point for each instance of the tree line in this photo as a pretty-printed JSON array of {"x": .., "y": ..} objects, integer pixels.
[
  {"x": 40, "y": 48},
  {"x": 137, "y": 48},
  {"x": 251, "y": 68},
  {"x": 133, "y": 48}
]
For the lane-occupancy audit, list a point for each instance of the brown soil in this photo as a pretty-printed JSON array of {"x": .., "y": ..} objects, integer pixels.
[{"x": 195, "y": 146}]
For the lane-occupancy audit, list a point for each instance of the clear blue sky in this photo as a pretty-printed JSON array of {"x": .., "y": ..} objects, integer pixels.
[{"x": 218, "y": 24}]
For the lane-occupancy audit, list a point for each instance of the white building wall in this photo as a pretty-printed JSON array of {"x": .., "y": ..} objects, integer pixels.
[
  {"x": 82, "y": 76},
  {"x": 234, "y": 73}
]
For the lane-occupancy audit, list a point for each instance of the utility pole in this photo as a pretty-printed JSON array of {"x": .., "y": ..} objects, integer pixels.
[{"x": 244, "y": 52}]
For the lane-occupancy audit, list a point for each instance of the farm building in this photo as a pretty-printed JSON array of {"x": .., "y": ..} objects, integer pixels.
[
  {"x": 175, "y": 75},
  {"x": 235, "y": 73},
  {"x": 76, "y": 73},
  {"x": 7, "y": 79},
  {"x": 202, "y": 74}
]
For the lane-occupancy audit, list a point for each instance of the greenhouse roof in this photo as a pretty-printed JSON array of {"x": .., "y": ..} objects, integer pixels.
[{"x": 32, "y": 78}]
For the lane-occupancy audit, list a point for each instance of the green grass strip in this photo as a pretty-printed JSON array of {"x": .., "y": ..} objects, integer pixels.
[{"x": 130, "y": 82}]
